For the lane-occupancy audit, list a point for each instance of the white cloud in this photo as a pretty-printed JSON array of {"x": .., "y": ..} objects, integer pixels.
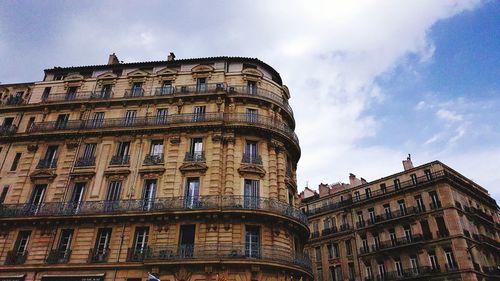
[{"x": 449, "y": 115}]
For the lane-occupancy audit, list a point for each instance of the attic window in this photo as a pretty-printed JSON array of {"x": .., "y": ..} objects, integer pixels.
[
  {"x": 246, "y": 65},
  {"x": 58, "y": 77}
]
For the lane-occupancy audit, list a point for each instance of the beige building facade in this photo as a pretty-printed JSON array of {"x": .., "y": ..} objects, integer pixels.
[
  {"x": 180, "y": 168},
  {"x": 424, "y": 223}
]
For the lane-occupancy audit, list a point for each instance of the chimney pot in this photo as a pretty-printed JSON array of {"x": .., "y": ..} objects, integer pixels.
[
  {"x": 171, "y": 56},
  {"x": 408, "y": 164},
  {"x": 113, "y": 59}
]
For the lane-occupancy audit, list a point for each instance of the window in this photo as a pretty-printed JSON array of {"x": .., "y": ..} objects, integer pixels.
[
  {"x": 61, "y": 121},
  {"x": 89, "y": 150},
  {"x": 186, "y": 240},
  {"x": 201, "y": 84},
  {"x": 22, "y": 241},
  {"x": 357, "y": 197},
  {"x": 408, "y": 233},
  {"x": 101, "y": 250},
  {"x": 196, "y": 150},
  {"x": 434, "y": 261},
  {"x": 192, "y": 192},
  {"x": 368, "y": 193},
  {"x": 97, "y": 120},
  {"x": 106, "y": 91},
  {"x": 50, "y": 158},
  {"x": 130, "y": 116},
  {"x": 15, "y": 162},
  {"x": 450, "y": 259},
  {"x": 31, "y": 121},
  {"x": 383, "y": 188},
  {"x": 113, "y": 195},
  {"x": 252, "y": 241},
  {"x": 199, "y": 113},
  {"x": 397, "y": 184},
  {"x": 3, "y": 195},
  {"x": 252, "y": 87},
  {"x": 336, "y": 272},
  {"x": 371, "y": 215},
  {"x": 336, "y": 250},
  {"x": 65, "y": 241},
  {"x": 141, "y": 239},
  {"x": 402, "y": 207},
  {"x": 317, "y": 252},
  {"x": 364, "y": 242},
  {"x": 161, "y": 116},
  {"x": 352, "y": 271},
  {"x": 71, "y": 93},
  {"x": 320, "y": 273},
  {"x": 46, "y": 93},
  {"x": 77, "y": 196},
  {"x": 148, "y": 194},
  {"x": 442, "y": 229},
  {"x": 330, "y": 251},
  {"x": 327, "y": 223},
  {"x": 7, "y": 122},
  {"x": 137, "y": 90},
  {"x": 392, "y": 235},
  {"x": 387, "y": 211},
  {"x": 414, "y": 264},
  {"x": 428, "y": 174},
  {"x": 399, "y": 267},
  {"x": 156, "y": 148},
  {"x": 252, "y": 115},
  {"x": 369, "y": 272},
  {"x": 315, "y": 226},
  {"x": 251, "y": 153},
  {"x": 348, "y": 247},
  {"x": 420, "y": 204},
  {"x": 413, "y": 179},
  {"x": 361, "y": 221},
  {"x": 381, "y": 270},
  {"x": 251, "y": 194},
  {"x": 435, "y": 203},
  {"x": 37, "y": 197},
  {"x": 123, "y": 149},
  {"x": 166, "y": 87},
  {"x": 376, "y": 241}
]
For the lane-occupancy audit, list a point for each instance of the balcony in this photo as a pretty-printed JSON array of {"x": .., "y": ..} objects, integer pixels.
[
  {"x": 85, "y": 162},
  {"x": 58, "y": 256},
  {"x": 98, "y": 255},
  {"x": 251, "y": 159},
  {"x": 392, "y": 244},
  {"x": 482, "y": 215},
  {"x": 161, "y": 205},
  {"x": 201, "y": 252},
  {"x": 47, "y": 164},
  {"x": 229, "y": 119},
  {"x": 252, "y": 91},
  {"x": 153, "y": 159},
  {"x": 314, "y": 234},
  {"x": 120, "y": 160},
  {"x": 136, "y": 92},
  {"x": 403, "y": 185},
  {"x": 329, "y": 207},
  {"x": 197, "y": 156},
  {"x": 392, "y": 216},
  {"x": 407, "y": 273},
  {"x": 8, "y": 130},
  {"x": 15, "y": 257},
  {"x": 78, "y": 96},
  {"x": 14, "y": 100}
]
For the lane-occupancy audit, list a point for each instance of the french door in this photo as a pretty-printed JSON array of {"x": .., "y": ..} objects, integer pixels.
[
  {"x": 148, "y": 194},
  {"x": 251, "y": 194},
  {"x": 192, "y": 193}
]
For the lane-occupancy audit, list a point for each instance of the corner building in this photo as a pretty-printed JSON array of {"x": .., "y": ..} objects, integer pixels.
[
  {"x": 180, "y": 168},
  {"x": 424, "y": 223}
]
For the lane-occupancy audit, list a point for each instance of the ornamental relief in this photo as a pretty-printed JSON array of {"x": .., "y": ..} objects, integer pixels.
[
  {"x": 193, "y": 167},
  {"x": 251, "y": 169}
]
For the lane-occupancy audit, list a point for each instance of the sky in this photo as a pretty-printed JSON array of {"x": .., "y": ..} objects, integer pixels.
[{"x": 371, "y": 81}]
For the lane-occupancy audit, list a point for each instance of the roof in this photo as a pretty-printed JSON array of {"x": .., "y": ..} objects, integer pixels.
[{"x": 166, "y": 62}]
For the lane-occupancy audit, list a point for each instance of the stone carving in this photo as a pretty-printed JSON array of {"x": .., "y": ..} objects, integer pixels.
[
  {"x": 198, "y": 167},
  {"x": 43, "y": 175},
  {"x": 182, "y": 274},
  {"x": 252, "y": 169}
]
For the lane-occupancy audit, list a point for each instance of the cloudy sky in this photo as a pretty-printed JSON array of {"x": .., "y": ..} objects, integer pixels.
[{"x": 371, "y": 81}]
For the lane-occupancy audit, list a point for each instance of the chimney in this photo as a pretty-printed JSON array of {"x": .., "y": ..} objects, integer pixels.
[
  {"x": 352, "y": 179},
  {"x": 363, "y": 181},
  {"x": 171, "y": 57},
  {"x": 407, "y": 164},
  {"x": 113, "y": 59},
  {"x": 324, "y": 189}
]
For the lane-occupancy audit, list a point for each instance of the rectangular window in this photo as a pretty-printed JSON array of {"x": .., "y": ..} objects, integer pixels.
[
  {"x": 156, "y": 147},
  {"x": 37, "y": 197},
  {"x": 364, "y": 242},
  {"x": 161, "y": 116},
  {"x": 166, "y": 87},
  {"x": 383, "y": 188},
  {"x": 376, "y": 241},
  {"x": 106, "y": 91},
  {"x": 141, "y": 239},
  {"x": 368, "y": 193},
  {"x": 320, "y": 274},
  {"x": 402, "y": 207},
  {"x": 196, "y": 150},
  {"x": 123, "y": 148},
  {"x": 186, "y": 240},
  {"x": 408, "y": 233},
  {"x": 192, "y": 192},
  {"x": 251, "y": 193},
  {"x": 336, "y": 250},
  {"x": 392, "y": 236},
  {"x": 434, "y": 261},
  {"x": 45, "y": 94},
  {"x": 450, "y": 259},
  {"x": 348, "y": 247},
  {"x": 251, "y": 152},
  {"x": 199, "y": 113},
  {"x": 428, "y": 174},
  {"x": 65, "y": 240},
  {"x": 399, "y": 267},
  {"x": 414, "y": 179},
  {"x": 357, "y": 197},
  {"x": 61, "y": 121},
  {"x": 22, "y": 241},
  {"x": 71, "y": 93},
  {"x": 397, "y": 184},
  {"x": 7, "y": 122},
  {"x": 330, "y": 251},
  {"x": 77, "y": 196},
  {"x": 201, "y": 84},
  {"x": 130, "y": 117},
  {"x": 102, "y": 242},
  {"x": 381, "y": 270},
  {"x": 15, "y": 162},
  {"x": 31, "y": 121},
  {"x": 336, "y": 272},
  {"x": 89, "y": 150},
  {"x": 371, "y": 215},
  {"x": 252, "y": 115},
  {"x": 97, "y": 120},
  {"x": 148, "y": 194},
  {"x": 251, "y": 87},
  {"x": 369, "y": 272},
  {"x": 414, "y": 264},
  {"x": 361, "y": 221},
  {"x": 435, "y": 202},
  {"x": 3, "y": 195},
  {"x": 420, "y": 204},
  {"x": 50, "y": 158},
  {"x": 317, "y": 251},
  {"x": 352, "y": 271},
  {"x": 137, "y": 90},
  {"x": 252, "y": 241},
  {"x": 114, "y": 190},
  {"x": 387, "y": 211},
  {"x": 443, "y": 230}
]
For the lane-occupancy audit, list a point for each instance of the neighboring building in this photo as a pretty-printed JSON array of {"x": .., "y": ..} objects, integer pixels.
[
  {"x": 182, "y": 168},
  {"x": 425, "y": 223}
]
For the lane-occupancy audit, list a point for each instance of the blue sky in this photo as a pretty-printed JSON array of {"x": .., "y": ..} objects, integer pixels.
[{"x": 371, "y": 81}]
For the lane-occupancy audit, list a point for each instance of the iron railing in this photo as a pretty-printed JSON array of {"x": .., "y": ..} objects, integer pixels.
[
  {"x": 251, "y": 159},
  {"x": 224, "y": 118},
  {"x": 8, "y": 130},
  {"x": 388, "y": 217},
  {"x": 417, "y": 272},
  {"x": 153, "y": 159},
  {"x": 85, "y": 162},
  {"x": 136, "y": 92},
  {"x": 392, "y": 244},
  {"x": 218, "y": 251},
  {"x": 98, "y": 255},
  {"x": 196, "y": 156},
  {"x": 120, "y": 160},
  {"x": 256, "y": 91},
  {"x": 208, "y": 202},
  {"x": 78, "y": 96},
  {"x": 47, "y": 164},
  {"x": 15, "y": 257},
  {"x": 58, "y": 256}
]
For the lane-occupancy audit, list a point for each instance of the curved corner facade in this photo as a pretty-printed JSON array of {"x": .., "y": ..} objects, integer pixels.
[{"x": 182, "y": 168}]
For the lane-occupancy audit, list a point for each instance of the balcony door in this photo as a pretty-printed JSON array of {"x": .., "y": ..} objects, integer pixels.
[
  {"x": 201, "y": 85},
  {"x": 123, "y": 149},
  {"x": 141, "y": 242},
  {"x": 77, "y": 197},
  {"x": 64, "y": 243},
  {"x": 98, "y": 120},
  {"x": 251, "y": 151},
  {"x": 136, "y": 89},
  {"x": 61, "y": 121},
  {"x": 51, "y": 156},
  {"x": 37, "y": 197},
  {"x": 196, "y": 149},
  {"x": 166, "y": 87},
  {"x": 22, "y": 241},
  {"x": 161, "y": 116},
  {"x": 192, "y": 193},
  {"x": 252, "y": 241},
  {"x": 252, "y": 88},
  {"x": 102, "y": 245},
  {"x": 106, "y": 91},
  {"x": 71, "y": 94},
  {"x": 89, "y": 151},
  {"x": 113, "y": 196},
  {"x": 251, "y": 115},
  {"x": 199, "y": 113},
  {"x": 186, "y": 240},
  {"x": 251, "y": 194},
  {"x": 148, "y": 194},
  {"x": 130, "y": 116}
]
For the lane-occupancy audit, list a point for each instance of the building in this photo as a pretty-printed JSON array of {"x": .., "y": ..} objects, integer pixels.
[
  {"x": 180, "y": 168},
  {"x": 424, "y": 223}
]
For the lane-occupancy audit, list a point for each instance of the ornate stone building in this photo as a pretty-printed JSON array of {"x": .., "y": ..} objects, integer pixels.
[
  {"x": 425, "y": 223},
  {"x": 182, "y": 168}
]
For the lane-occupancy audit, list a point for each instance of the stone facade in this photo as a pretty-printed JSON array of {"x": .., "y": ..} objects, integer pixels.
[
  {"x": 181, "y": 168},
  {"x": 425, "y": 223}
]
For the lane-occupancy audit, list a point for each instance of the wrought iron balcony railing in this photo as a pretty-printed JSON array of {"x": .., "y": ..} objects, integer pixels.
[
  {"x": 329, "y": 207},
  {"x": 77, "y": 96},
  {"x": 15, "y": 257},
  {"x": 47, "y": 164},
  {"x": 209, "y": 202},
  {"x": 392, "y": 244},
  {"x": 219, "y": 251},
  {"x": 120, "y": 160},
  {"x": 256, "y": 91},
  {"x": 389, "y": 217},
  {"x": 153, "y": 159},
  {"x": 13, "y": 100},
  {"x": 98, "y": 255},
  {"x": 8, "y": 130},
  {"x": 251, "y": 159},
  {"x": 174, "y": 119},
  {"x": 136, "y": 92},
  {"x": 417, "y": 272},
  {"x": 58, "y": 256},
  {"x": 197, "y": 156},
  {"x": 85, "y": 162}
]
